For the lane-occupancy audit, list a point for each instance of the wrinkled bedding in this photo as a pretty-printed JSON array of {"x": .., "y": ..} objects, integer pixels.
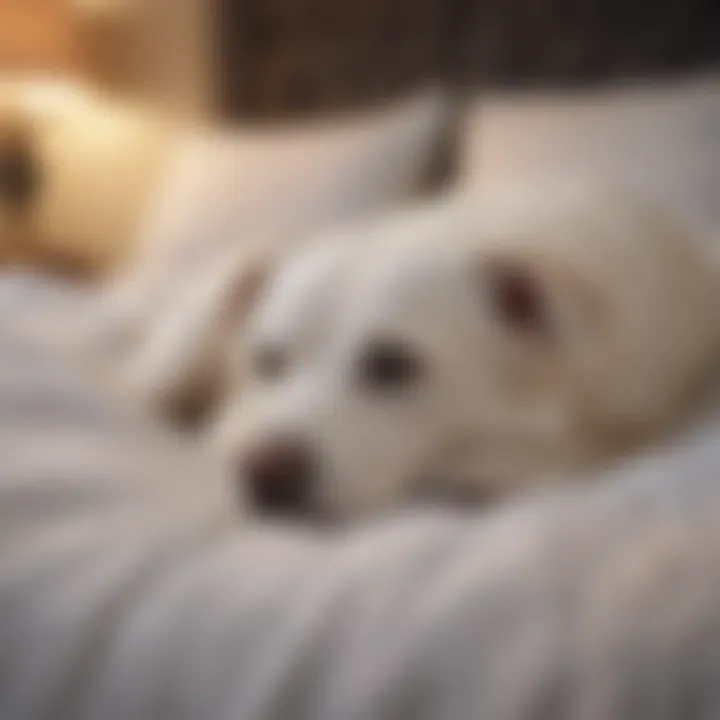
[{"x": 131, "y": 588}]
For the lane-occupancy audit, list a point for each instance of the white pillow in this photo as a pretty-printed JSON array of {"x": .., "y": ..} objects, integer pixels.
[
  {"x": 661, "y": 138},
  {"x": 224, "y": 187}
]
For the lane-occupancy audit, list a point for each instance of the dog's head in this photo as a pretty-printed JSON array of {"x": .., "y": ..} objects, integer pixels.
[{"x": 438, "y": 352}]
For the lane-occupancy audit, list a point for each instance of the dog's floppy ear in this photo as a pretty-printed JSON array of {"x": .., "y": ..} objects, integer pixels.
[{"x": 180, "y": 368}]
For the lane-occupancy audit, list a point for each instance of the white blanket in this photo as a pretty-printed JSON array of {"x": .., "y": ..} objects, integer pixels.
[{"x": 129, "y": 590}]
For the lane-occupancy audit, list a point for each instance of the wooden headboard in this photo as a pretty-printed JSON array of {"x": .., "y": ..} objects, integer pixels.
[{"x": 280, "y": 58}]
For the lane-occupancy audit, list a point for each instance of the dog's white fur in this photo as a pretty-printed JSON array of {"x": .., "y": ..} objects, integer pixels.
[
  {"x": 629, "y": 331},
  {"x": 632, "y": 331}
]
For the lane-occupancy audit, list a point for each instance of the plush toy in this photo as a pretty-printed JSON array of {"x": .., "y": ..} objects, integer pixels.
[{"x": 75, "y": 182}]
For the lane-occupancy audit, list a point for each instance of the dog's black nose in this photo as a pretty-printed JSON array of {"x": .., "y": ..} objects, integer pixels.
[{"x": 278, "y": 478}]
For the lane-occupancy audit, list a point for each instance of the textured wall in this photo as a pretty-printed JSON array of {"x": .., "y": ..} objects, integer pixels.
[
  {"x": 287, "y": 57},
  {"x": 292, "y": 56},
  {"x": 37, "y": 34}
]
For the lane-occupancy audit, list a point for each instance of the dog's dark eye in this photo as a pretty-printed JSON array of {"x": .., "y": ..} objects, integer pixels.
[
  {"x": 269, "y": 363},
  {"x": 517, "y": 298},
  {"x": 390, "y": 366}
]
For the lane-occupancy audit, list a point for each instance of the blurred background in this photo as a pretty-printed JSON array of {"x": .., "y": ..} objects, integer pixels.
[
  {"x": 88, "y": 88},
  {"x": 271, "y": 58},
  {"x": 157, "y": 49}
]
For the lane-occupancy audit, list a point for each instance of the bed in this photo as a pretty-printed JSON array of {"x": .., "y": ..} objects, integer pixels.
[{"x": 131, "y": 586}]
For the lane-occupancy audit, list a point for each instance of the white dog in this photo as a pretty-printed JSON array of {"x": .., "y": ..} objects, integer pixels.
[{"x": 467, "y": 349}]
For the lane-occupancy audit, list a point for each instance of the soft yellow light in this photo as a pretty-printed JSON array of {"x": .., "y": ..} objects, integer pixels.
[
  {"x": 45, "y": 96},
  {"x": 102, "y": 7}
]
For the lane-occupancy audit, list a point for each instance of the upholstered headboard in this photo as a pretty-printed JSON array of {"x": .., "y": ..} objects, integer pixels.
[{"x": 283, "y": 58}]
